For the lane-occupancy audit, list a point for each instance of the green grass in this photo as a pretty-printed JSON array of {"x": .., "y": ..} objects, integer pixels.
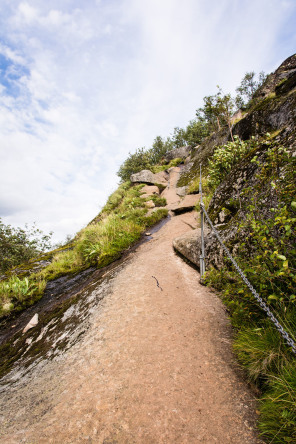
[
  {"x": 278, "y": 407},
  {"x": 158, "y": 201}
]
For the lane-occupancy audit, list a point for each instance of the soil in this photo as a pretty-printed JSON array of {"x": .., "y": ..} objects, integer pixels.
[{"x": 155, "y": 364}]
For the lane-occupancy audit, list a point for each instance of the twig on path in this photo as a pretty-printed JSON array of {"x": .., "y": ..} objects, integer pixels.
[
  {"x": 157, "y": 283},
  {"x": 189, "y": 225}
]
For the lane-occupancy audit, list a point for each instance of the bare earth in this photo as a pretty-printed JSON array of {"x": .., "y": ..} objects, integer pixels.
[{"x": 155, "y": 365}]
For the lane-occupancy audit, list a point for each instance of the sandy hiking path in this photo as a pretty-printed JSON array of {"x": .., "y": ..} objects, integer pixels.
[{"x": 155, "y": 365}]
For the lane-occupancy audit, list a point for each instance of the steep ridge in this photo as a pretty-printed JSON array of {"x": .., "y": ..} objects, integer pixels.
[{"x": 154, "y": 364}]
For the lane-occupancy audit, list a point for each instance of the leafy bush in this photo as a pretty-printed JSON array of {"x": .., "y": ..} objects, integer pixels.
[
  {"x": 224, "y": 158},
  {"x": 248, "y": 88}
]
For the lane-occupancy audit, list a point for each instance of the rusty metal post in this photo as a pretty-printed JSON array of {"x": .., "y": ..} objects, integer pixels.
[{"x": 202, "y": 253}]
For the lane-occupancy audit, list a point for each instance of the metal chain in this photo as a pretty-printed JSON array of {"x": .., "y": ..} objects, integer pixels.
[{"x": 262, "y": 304}]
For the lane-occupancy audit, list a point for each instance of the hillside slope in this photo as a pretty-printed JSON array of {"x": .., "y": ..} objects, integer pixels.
[{"x": 153, "y": 362}]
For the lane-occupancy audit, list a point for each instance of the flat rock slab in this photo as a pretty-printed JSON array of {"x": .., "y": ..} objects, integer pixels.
[
  {"x": 187, "y": 204},
  {"x": 149, "y": 190}
]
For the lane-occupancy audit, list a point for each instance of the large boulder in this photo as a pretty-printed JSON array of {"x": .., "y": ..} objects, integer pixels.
[
  {"x": 146, "y": 176},
  {"x": 181, "y": 153},
  {"x": 189, "y": 245}
]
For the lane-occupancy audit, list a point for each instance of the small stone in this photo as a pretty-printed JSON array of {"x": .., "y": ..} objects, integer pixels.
[
  {"x": 33, "y": 322},
  {"x": 150, "y": 204}
]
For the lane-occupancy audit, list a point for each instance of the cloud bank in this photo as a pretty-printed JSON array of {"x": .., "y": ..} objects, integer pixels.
[{"x": 83, "y": 83}]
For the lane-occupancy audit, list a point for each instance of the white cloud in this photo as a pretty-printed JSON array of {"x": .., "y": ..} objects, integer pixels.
[{"x": 94, "y": 80}]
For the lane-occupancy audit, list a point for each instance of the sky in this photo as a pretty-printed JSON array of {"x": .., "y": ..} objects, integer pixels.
[{"x": 85, "y": 82}]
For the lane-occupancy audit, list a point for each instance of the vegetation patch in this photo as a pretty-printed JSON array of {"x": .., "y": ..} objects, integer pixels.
[
  {"x": 265, "y": 251},
  {"x": 159, "y": 201}
]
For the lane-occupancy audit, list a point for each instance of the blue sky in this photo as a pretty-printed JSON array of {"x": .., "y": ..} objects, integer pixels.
[{"x": 83, "y": 83}]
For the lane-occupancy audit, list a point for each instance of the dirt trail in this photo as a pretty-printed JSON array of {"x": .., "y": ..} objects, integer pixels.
[{"x": 154, "y": 367}]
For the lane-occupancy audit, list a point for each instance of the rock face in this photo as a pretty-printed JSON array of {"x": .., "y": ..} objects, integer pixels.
[
  {"x": 273, "y": 111},
  {"x": 187, "y": 204},
  {"x": 146, "y": 176},
  {"x": 181, "y": 153}
]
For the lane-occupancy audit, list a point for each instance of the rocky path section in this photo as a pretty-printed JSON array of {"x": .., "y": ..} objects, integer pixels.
[{"x": 155, "y": 365}]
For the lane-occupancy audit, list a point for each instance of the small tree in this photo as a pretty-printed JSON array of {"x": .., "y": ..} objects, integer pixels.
[
  {"x": 196, "y": 131},
  {"x": 248, "y": 87},
  {"x": 179, "y": 137},
  {"x": 217, "y": 111},
  {"x": 18, "y": 245},
  {"x": 140, "y": 160},
  {"x": 159, "y": 148}
]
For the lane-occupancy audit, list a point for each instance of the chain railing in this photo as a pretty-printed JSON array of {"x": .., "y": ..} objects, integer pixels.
[{"x": 261, "y": 302}]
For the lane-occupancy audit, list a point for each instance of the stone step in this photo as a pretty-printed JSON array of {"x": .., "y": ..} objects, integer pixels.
[{"x": 186, "y": 204}]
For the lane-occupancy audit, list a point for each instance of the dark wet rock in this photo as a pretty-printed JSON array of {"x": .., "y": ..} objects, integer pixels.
[
  {"x": 181, "y": 153},
  {"x": 187, "y": 204}
]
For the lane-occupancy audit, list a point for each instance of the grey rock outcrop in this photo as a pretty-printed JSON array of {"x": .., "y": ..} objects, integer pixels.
[
  {"x": 146, "y": 176},
  {"x": 182, "y": 153}
]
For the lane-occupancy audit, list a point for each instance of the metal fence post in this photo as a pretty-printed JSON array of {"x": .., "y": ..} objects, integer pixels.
[{"x": 202, "y": 253}]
